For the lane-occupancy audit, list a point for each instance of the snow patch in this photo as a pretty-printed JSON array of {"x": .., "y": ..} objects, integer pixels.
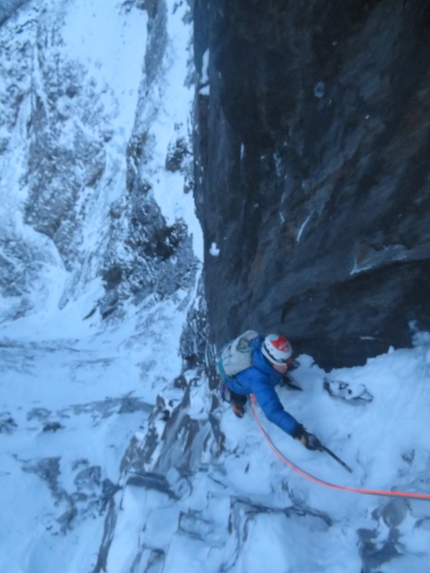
[
  {"x": 205, "y": 67},
  {"x": 111, "y": 45},
  {"x": 302, "y": 227},
  {"x": 214, "y": 250}
]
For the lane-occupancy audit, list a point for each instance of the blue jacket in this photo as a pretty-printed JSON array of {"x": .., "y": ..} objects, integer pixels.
[{"x": 260, "y": 379}]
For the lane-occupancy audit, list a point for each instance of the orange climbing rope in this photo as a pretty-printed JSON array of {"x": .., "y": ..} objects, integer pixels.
[{"x": 323, "y": 482}]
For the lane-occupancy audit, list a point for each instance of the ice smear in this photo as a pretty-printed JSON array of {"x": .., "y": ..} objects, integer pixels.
[
  {"x": 205, "y": 90},
  {"x": 302, "y": 227}
]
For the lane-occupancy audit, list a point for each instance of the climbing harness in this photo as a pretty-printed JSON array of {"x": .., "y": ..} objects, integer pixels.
[{"x": 310, "y": 477}]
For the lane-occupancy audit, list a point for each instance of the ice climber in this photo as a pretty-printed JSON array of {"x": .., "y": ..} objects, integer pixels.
[{"x": 255, "y": 364}]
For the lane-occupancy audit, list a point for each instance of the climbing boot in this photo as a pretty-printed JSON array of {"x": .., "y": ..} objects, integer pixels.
[{"x": 239, "y": 410}]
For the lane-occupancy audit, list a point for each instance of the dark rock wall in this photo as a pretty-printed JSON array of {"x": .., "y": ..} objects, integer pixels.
[
  {"x": 313, "y": 171},
  {"x": 9, "y": 7}
]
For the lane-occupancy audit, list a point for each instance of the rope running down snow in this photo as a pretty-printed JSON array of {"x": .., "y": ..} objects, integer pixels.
[{"x": 326, "y": 483}]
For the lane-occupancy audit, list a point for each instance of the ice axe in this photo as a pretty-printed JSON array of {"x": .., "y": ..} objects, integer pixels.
[
  {"x": 323, "y": 448},
  {"x": 311, "y": 442}
]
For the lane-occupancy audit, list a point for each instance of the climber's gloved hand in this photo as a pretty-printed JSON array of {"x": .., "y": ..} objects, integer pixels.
[
  {"x": 310, "y": 441},
  {"x": 292, "y": 364}
]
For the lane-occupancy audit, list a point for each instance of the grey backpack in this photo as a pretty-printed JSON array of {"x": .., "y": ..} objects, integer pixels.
[{"x": 236, "y": 355}]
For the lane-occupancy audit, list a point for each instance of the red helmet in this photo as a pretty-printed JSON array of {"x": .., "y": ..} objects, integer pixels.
[{"x": 276, "y": 349}]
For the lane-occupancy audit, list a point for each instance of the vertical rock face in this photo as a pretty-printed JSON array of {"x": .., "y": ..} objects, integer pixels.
[{"x": 313, "y": 173}]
